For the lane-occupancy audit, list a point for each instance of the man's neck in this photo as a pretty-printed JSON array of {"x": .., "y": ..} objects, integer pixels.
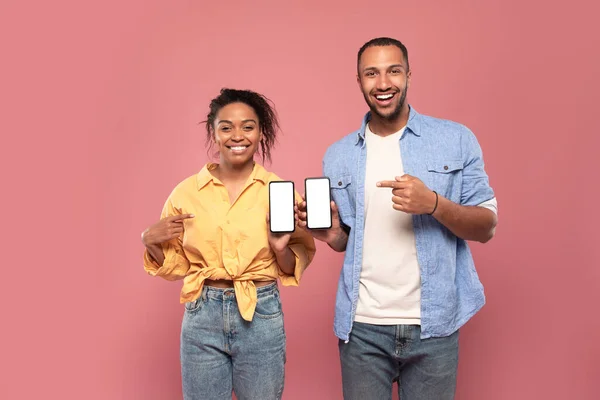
[{"x": 385, "y": 127}]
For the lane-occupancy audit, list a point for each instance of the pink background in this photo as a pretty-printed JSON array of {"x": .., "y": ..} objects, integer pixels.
[{"x": 100, "y": 103}]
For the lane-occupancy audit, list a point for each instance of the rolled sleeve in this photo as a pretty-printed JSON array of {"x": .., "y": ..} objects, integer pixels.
[
  {"x": 174, "y": 267},
  {"x": 302, "y": 245},
  {"x": 476, "y": 188},
  {"x": 176, "y": 264}
]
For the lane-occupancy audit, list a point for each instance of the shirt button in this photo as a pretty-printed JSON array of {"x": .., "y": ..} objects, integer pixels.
[
  {"x": 446, "y": 167},
  {"x": 340, "y": 183}
]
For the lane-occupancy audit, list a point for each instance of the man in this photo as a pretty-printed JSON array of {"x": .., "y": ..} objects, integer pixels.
[{"x": 408, "y": 192}]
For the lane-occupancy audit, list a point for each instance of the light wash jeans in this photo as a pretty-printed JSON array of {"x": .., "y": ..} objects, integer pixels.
[
  {"x": 378, "y": 355},
  {"x": 221, "y": 352}
]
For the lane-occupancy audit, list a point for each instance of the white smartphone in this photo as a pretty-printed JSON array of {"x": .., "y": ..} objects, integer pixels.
[
  {"x": 281, "y": 207},
  {"x": 318, "y": 203}
]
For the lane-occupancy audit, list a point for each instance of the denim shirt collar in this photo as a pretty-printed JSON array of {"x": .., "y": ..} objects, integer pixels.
[{"x": 413, "y": 125}]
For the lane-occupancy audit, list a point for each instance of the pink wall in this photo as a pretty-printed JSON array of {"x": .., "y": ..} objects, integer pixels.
[{"x": 99, "y": 110}]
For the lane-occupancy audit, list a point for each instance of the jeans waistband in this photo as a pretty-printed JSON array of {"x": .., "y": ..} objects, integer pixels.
[{"x": 220, "y": 293}]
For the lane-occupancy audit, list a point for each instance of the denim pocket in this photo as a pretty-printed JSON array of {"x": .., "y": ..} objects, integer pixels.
[
  {"x": 268, "y": 307},
  {"x": 341, "y": 191},
  {"x": 445, "y": 177},
  {"x": 193, "y": 306}
]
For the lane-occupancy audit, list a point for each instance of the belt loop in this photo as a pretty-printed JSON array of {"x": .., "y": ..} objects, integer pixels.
[{"x": 204, "y": 292}]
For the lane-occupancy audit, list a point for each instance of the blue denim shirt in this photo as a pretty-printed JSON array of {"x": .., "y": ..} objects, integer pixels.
[{"x": 446, "y": 156}]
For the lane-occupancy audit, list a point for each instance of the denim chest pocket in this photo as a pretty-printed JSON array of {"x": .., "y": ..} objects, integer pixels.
[
  {"x": 445, "y": 177},
  {"x": 342, "y": 192},
  {"x": 268, "y": 307}
]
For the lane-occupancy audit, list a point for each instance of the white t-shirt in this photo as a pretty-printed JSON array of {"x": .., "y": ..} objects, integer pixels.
[{"x": 390, "y": 279}]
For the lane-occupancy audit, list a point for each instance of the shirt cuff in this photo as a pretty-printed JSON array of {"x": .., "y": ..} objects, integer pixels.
[
  {"x": 491, "y": 204},
  {"x": 302, "y": 261}
]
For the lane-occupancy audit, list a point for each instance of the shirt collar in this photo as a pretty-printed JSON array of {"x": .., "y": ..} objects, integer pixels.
[
  {"x": 413, "y": 125},
  {"x": 259, "y": 173}
]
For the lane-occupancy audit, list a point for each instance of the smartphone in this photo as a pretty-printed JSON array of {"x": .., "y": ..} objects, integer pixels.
[
  {"x": 318, "y": 203},
  {"x": 281, "y": 207}
]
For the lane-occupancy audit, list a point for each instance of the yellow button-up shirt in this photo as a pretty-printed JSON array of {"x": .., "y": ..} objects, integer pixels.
[{"x": 226, "y": 241}]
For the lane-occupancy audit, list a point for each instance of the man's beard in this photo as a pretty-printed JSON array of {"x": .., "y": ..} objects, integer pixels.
[{"x": 394, "y": 114}]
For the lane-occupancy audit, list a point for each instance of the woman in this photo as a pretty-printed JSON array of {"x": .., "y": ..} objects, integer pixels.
[{"x": 214, "y": 235}]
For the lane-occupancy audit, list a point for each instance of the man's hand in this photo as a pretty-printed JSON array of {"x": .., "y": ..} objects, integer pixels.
[
  {"x": 410, "y": 195},
  {"x": 335, "y": 236}
]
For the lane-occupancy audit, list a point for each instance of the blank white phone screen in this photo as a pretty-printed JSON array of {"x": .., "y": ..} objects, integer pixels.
[
  {"x": 281, "y": 206},
  {"x": 318, "y": 207}
]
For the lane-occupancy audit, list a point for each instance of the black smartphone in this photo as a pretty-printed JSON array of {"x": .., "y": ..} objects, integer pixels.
[
  {"x": 318, "y": 203},
  {"x": 281, "y": 207}
]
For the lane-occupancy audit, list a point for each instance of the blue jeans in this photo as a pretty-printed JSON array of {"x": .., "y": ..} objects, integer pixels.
[
  {"x": 378, "y": 355},
  {"x": 221, "y": 352}
]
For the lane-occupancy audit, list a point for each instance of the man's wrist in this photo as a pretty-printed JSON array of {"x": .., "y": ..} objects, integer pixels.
[{"x": 434, "y": 203}]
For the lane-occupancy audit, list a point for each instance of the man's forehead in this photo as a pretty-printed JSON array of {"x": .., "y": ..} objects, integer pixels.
[{"x": 382, "y": 56}]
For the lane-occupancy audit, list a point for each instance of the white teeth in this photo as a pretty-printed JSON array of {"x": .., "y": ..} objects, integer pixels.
[
  {"x": 238, "y": 148},
  {"x": 384, "y": 97}
]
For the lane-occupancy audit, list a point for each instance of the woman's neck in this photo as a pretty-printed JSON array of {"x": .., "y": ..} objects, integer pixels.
[{"x": 234, "y": 173}]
